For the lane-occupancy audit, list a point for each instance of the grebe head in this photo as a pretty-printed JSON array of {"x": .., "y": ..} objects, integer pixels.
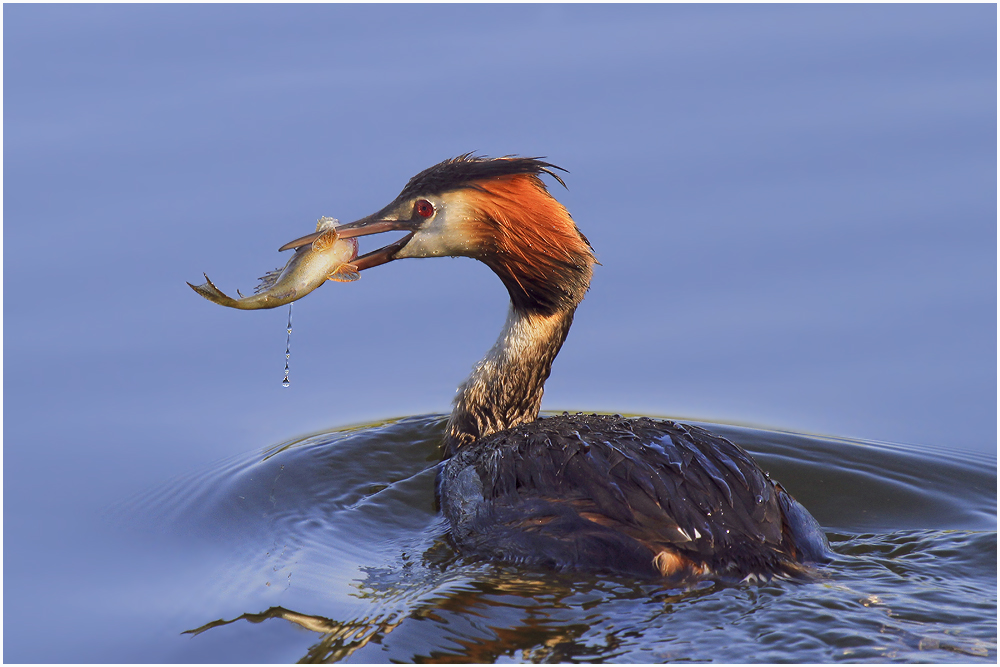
[{"x": 496, "y": 210}]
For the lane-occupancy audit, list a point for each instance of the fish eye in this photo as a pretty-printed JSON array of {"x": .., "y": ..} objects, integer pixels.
[{"x": 424, "y": 208}]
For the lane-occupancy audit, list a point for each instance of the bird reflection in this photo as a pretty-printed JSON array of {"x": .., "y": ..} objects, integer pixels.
[
  {"x": 338, "y": 641},
  {"x": 539, "y": 610}
]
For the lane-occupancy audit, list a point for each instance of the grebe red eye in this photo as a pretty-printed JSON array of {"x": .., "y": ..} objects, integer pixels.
[{"x": 425, "y": 209}]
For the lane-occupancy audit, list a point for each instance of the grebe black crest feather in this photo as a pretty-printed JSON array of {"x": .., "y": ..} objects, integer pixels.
[{"x": 463, "y": 170}]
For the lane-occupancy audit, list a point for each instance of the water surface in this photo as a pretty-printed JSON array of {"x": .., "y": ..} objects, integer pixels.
[{"x": 329, "y": 547}]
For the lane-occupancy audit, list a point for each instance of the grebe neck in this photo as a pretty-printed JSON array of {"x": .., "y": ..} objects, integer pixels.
[{"x": 505, "y": 388}]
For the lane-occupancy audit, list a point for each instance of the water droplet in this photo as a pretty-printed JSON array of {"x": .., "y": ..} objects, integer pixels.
[{"x": 288, "y": 347}]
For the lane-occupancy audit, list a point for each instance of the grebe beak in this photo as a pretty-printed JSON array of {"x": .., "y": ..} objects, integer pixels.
[{"x": 373, "y": 224}]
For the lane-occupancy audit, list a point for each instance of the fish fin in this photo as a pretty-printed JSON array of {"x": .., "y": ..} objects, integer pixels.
[
  {"x": 325, "y": 224},
  {"x": 325, "y": 240},
  {"x": 213, "y": 293},
  {"x": 345, "y": 273},
  {"x": 267, "y": 281}
]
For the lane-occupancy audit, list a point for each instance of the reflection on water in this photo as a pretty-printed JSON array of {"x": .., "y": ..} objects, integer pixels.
[
  {"x": 337, "y": 533},
  {"x": 338, "y": 640}
]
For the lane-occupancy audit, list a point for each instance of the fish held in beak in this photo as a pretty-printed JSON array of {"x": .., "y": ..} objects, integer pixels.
[{"x": 328, "y": 257}]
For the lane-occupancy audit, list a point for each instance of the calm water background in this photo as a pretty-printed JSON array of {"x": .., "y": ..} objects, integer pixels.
[{"x": 794, "y": 208}]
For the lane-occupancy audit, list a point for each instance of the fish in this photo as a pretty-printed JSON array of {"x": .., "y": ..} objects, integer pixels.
[{"x": 328, "y": 257}]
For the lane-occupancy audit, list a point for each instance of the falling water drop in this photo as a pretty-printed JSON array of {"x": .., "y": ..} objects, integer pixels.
[{"x": 288, "y": 347}]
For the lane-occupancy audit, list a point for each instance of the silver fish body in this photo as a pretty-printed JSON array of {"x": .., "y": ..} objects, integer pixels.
[{"x": 327, "y": 258}]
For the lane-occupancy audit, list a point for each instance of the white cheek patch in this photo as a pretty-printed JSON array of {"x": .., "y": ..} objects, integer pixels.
[{"x": 450, "y": 233}]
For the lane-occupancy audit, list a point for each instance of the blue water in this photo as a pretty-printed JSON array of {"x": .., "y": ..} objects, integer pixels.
[
  {"x": 795, "y": 212},
  {"x": 337, "y": 533}
]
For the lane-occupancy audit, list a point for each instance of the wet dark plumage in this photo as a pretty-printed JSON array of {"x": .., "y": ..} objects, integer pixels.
[{"x": 603, "y": 493}]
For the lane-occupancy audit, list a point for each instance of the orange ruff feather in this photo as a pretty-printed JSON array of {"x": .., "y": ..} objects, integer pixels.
[{"x": 529, "y": 238}]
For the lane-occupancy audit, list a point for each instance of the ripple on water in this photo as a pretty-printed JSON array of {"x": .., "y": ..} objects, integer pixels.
[{"x": 338, "y": 533}]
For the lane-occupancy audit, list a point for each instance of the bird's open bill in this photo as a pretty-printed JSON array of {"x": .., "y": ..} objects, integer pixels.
[{"x": 365, "y": 227}]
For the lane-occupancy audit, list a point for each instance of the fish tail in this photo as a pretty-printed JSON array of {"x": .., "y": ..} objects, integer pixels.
[{"x": 213, "y": 293}]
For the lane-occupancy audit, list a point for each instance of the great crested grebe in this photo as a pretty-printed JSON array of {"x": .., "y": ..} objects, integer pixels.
[{"x": 598, "y": 493}]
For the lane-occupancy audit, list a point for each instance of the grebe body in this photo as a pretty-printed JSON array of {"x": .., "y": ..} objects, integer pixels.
[
  {"x": 633, "y": 496},
  {"x": 596, "y": 493}
]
